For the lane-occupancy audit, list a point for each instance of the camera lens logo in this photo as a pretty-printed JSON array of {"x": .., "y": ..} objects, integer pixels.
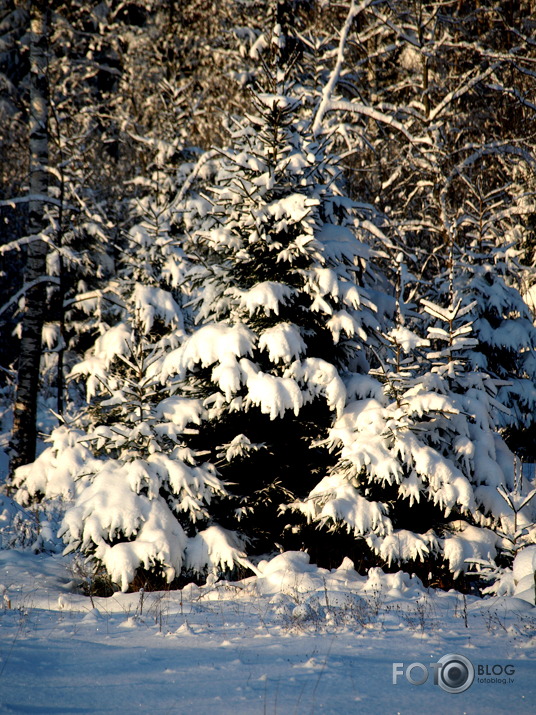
[
  {"x": 456, "y": 673},
  {"x": 453, "y": 673}
]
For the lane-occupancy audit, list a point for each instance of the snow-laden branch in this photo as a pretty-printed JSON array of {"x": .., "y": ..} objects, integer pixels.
[
  {"x": 513, "y": 92},
  {"x": 489, "y": 150},
  {"x": 408, "y": 37},
  {"x": 43, "y": 198},
  {"x": 334, "y": 77},
  {"x": 204, "y": 159},
  {"x": 27, "y": 287},
  {"x": 513, "y": 54},
  {"x": 464, "y": 87},
  {"x": 94, "y": 295},
  {"x": 343, "y": 105},
  {"x": 17, "y": 244}
]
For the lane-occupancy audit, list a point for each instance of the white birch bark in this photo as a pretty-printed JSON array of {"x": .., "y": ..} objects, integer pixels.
[{"x": 25, "y": 409}]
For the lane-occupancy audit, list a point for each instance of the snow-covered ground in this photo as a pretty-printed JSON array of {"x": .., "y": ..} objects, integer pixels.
[{"x": 297, "y": 639}]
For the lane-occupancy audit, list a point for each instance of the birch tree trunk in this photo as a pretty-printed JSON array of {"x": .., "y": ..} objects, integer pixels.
[{"x": 24, "y": 437}]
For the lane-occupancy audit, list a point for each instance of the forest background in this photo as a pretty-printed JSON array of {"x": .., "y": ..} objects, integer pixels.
[{"x": 118, "y": 120}]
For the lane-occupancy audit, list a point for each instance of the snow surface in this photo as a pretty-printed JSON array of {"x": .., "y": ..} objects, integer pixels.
[{"x": 294, "y": 639}]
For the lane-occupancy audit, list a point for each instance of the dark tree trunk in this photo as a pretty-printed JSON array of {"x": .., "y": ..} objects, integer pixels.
[{"x": 24, "y": 425}]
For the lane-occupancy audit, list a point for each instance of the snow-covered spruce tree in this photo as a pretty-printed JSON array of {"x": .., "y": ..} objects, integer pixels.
[
  {"x": 483, "y": 268},
  {"x": 145, "y": 513},
  {"x": 287, "y": 303},
  {"x": 420, "y": 460},
  {"x": 135, "y": 496}
]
